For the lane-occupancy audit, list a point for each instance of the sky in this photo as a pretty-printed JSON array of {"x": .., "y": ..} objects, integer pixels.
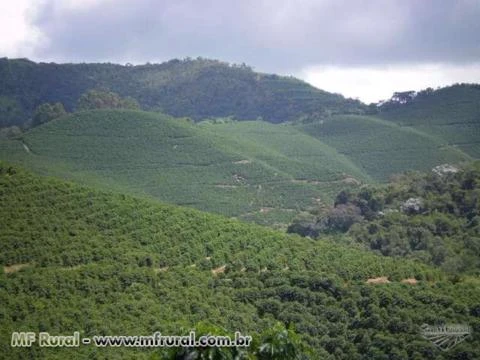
[{"x": 364, "y": 49}]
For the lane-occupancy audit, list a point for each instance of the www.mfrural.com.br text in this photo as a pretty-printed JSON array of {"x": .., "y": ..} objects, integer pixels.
[{"x": 44, "y": 339}]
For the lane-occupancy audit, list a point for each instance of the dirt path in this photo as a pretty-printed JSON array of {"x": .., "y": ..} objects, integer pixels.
[{"x": 27, "y": 149}]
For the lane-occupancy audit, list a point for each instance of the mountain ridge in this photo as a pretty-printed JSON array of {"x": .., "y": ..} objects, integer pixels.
[{"x": 199, "y": 89}]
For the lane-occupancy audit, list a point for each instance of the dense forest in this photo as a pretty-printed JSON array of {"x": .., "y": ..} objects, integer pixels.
[
  {"x": 197, "y": 88},
  {"x": 109, "y": 264},
  {"x": 431, "y": 217}
]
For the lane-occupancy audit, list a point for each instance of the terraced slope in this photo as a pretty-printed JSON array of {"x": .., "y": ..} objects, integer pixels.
[
  {"x": 451, "y": 113},
  {"x": 382, "y": 148},
  {"x": 76, "y": 259},
  {"x": 255, "y": 170}
]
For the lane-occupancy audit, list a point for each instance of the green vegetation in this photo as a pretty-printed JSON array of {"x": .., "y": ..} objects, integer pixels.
[
  {"x": 10, "y": 132},
  {"x": 382, "y": 148},
  {"x": 252, "y": 170},
  {"x": 198, "y": 89},
  {"x": 103, "y": 99},
  {"x": 105, "y": 257},
  {"x": 47, "y": 112},
  {"x": 451, "y": 113},
  {"x": 434, "y": 218},
  {"x": 108, "y": 264},
  {"x": 11, "y": 112}
]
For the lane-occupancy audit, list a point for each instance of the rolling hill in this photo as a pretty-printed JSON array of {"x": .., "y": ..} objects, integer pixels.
[
  {"x": 451, "y": 113},
  {"x": 383, "y": 148},
  {"x": 126, "y": 222},
  {"x": 251, "y": 170},
  {"x": 78, "y": 259},
  {"x": 198, "y": 89}
]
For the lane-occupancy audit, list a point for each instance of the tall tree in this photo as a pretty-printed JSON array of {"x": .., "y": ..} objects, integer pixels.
[{"x": 47, "y": 112}]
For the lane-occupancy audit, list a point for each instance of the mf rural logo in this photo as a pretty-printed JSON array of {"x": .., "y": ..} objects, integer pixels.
[{"x": 447, "y": 336}]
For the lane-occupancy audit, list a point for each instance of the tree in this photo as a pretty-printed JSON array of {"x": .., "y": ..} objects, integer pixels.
[
  {"x": 10, "y": 132},
  {"x": 343, "y": 197},
  {"x": 209, "y": 352},
  {"x": 403, "y": 97},
  {"x": 47, "y": 112},
  {"x": 104, "y": 99},
  {"x": 280, "y": 343},
  {"x": 276, "y": 343},
  {"x": 342, "y": 217},
  {"x": 11, "y": 112}
]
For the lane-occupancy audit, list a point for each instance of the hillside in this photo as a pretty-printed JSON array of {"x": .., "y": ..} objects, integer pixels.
[
  {"x": 195, "y": 88},
  {"x": 431, "y": 217},
  {"x": 78, "y": 259},
  {"x": 383, "y": 148},
  {"x": 251, "y": 170},
  {"x": 451, "y": 113}
]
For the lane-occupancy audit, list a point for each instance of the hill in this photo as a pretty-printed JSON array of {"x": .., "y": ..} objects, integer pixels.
[
  {"x": 450, "y": 113},
  {"x": 198, "y": 89},
  {"x": 78, "y": 259},
  {"x": 252, "y": 170},
  {"x": 383, "y": 148}
]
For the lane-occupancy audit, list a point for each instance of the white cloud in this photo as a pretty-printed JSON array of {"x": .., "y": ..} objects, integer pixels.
[
  {"x": 17, "y": 36},
  {"x": 370, "y": 84},
  {"x": 360, "y": 53},
  {"x": 77, "y": 4}
]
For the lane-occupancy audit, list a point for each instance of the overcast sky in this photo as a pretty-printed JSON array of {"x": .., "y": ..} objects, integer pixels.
[{"x": 364, "y": 49}]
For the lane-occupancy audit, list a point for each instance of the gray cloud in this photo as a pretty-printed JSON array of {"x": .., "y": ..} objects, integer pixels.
[{"x": 272, "y": 35}]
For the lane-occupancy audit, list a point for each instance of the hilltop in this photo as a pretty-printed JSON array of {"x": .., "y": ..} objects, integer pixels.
[
  {"x": 76, "y": 258},
  {"x": 451, "y": 113},
  {"x": 199, "y": 89},
  {"x": 384, "y": 148}
]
